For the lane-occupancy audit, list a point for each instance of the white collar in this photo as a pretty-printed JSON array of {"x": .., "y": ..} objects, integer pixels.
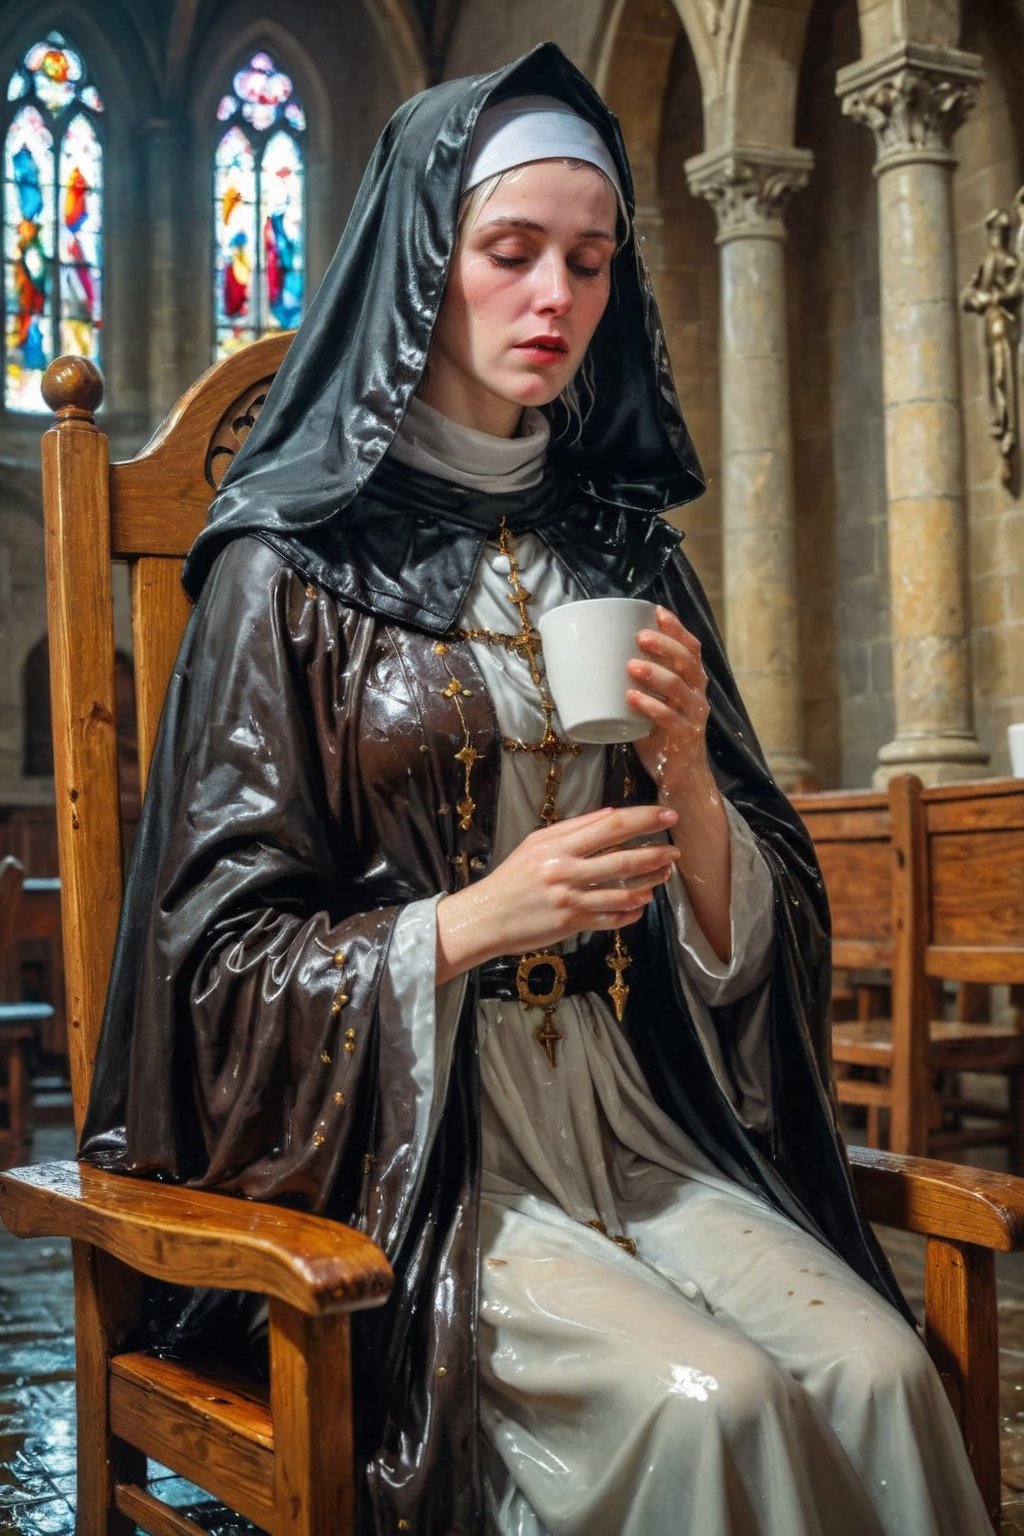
[{"x": 436, "y": 445}]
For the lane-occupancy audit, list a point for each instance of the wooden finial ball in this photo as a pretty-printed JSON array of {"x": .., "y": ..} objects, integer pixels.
[{"x": 72, "y": 386}]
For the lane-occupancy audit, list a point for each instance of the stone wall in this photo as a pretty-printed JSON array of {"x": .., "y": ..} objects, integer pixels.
[
  {"x": 837, "y": 422},
  {"x": 990, "y": 149},
  {"x": 687, "y": 284}
]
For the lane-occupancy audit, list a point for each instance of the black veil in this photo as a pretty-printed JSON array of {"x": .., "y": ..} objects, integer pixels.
[{"x": 344, "y": 387}]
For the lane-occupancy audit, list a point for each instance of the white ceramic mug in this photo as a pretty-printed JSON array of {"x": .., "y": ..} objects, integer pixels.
[
  {"x": 1015, "y": 737},
  {"x": 586, "y": 648}
]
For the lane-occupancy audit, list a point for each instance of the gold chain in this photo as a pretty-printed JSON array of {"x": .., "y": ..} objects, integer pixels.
[{"x": 525, "y": 643}]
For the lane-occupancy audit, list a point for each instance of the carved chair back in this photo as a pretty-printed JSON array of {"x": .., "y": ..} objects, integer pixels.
[{"x": 143, "y": 514}]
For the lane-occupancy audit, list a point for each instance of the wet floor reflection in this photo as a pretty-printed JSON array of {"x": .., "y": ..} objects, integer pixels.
[{"x": 37, "y": 1402}]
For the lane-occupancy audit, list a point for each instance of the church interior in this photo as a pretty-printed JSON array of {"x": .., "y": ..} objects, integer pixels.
[{"x": 830, "y": 202}]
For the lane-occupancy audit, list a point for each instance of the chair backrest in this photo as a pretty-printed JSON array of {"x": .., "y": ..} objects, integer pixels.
[
  {"x": 144, "y": 512},
  {"x": 852, "y": 835},
  {"x": 11, "y": 875},
  {"x": 973, "y": 848}
]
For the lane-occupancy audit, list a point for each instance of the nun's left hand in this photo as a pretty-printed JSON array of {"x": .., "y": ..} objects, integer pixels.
[{"x": 673, "y": 696}]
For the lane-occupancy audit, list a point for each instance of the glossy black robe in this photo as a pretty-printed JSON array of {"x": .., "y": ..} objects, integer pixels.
[{"x": 303, "y": 791}]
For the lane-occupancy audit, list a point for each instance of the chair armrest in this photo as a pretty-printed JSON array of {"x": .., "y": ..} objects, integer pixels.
[
  {"x": 193, "y": 1237},
  {"x": 947, "y": 1200}
]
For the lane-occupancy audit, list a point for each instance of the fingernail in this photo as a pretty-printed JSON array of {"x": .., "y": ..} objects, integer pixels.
[{"x": 667, "y": 817}]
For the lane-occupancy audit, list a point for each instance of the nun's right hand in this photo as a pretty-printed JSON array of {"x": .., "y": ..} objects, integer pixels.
[{"x": 585, "y": 873}]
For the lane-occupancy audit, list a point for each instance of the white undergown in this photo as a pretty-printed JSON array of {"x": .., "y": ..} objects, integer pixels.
[{"x": 734, "y": 1378}]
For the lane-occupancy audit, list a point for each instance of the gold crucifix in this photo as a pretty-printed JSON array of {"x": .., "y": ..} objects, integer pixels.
[
  {"x": 546, "y": 1035},
  {"x": 617, "y": 959}
]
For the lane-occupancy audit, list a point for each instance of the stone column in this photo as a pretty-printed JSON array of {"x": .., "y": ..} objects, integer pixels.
[
  {"x": 914, "y": 98},
  {"x": 748, "y": 188},
  {"x": 162, "y": 160}
]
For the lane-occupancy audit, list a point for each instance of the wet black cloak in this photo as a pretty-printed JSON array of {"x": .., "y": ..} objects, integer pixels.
[{"x": 303, "y": 791}]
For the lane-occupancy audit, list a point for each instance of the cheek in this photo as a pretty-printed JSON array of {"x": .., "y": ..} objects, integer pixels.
[{"x": 594, "y": 308}]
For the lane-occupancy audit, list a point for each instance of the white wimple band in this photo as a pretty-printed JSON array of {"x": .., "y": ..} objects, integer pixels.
[{"x": 526, "y": 128}]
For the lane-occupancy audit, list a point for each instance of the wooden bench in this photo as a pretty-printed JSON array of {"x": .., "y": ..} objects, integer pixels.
[
  {"x": 905, "y": 869},
  {"x": 19, "y": 1024}
]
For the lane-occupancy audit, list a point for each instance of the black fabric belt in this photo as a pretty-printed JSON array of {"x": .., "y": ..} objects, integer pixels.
[{"x": 534, "y": 976}]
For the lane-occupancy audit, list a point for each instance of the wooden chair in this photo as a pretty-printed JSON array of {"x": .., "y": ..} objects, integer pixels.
[
  {"x": 19, "y": 1022},
  {"x": 284, "y": 1459},
  {"x": 852, "y": 835},
  {"x": 880, "y": 866},
  {"x": 965, "y": 924}
]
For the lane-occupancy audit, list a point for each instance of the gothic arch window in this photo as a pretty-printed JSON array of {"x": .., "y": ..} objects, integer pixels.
[
  {"x": 52, "y": 217},
  {"x": 258, "y": 206}
]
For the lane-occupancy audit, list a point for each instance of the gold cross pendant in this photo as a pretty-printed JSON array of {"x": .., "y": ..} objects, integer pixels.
[
  {"x": 548, "y": 1036},
  {"x": 617, "y": 959}
]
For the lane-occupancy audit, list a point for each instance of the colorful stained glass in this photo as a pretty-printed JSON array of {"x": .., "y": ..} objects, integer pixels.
[
  {"x": 28, "y": 256},
  {"x": 235, "y": 203},
  {"x": 259, "y": 273},
  {"x": 52, "y": 220},
  {"x": 263, "y": 89},
  {"x": 281, "y": 220},
  {"x": 56, "y": 69},
  {"x": 81, "y": 190}
]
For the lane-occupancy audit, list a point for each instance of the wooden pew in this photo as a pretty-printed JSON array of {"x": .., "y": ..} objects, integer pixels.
[
  {"x": 968, "y": 928},
  {"x": 925, "y": 884},
  {"x": 852, "y": 834},
  {"x": 19, "y": 1022}
]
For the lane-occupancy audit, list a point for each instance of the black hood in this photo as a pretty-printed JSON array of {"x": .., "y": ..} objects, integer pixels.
[{"x": 344, "y": 387}]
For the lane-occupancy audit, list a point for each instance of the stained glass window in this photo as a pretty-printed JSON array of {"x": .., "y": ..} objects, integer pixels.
[
  {"x": 52, "y": 218},
  {"x": 258, "y": 207}
]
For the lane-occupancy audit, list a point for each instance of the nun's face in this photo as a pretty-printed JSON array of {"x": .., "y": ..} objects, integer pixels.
[{"x": 528, "y": 283}]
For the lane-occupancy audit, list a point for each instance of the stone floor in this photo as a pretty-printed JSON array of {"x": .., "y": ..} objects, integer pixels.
[{"x": 37, "y": 1403}]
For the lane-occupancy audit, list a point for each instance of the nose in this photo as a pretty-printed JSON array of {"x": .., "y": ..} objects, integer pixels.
[{"x": 552, "y": 288}]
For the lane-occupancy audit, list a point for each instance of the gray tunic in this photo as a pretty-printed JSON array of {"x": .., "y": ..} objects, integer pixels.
[{"x": 734, "y": 1378}]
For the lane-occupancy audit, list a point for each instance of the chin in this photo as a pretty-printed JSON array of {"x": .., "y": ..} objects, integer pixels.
[{"x": 538, "y": 392}]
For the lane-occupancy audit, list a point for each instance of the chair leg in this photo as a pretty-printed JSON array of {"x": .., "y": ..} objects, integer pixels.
[
  {"x": 962, "y": 1337},
  {"x": 19, "y": 1088},
  {"x": 106, "y": 1307},
  {"x": 310, "y": 1402}
]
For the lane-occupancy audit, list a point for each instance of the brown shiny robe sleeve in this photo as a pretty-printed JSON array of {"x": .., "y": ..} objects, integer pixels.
[
  {"x": 242, "y": 1007},
  {"x": 301, "y": 795}
]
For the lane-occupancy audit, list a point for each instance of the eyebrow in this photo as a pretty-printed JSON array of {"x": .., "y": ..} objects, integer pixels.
[{"x": 531, "y": 224}]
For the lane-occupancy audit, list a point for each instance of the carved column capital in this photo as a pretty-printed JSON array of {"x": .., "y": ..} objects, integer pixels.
[
  {"x": 913, "y": 98},
  {"x": 749, "y": 187}
]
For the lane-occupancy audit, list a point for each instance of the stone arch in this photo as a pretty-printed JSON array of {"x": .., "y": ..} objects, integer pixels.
[
  {"x": 123, "y": 70},
  {"x": 283, "y": 45},
  {"x": 633, "y": 79},
  {"x": 332, "y": 175},
  {"x": 624, "y": 19},
  {"x": 765, "y": 49},
  {"x": 936, "y": 22},
  {"x": 652, "y": 80}
]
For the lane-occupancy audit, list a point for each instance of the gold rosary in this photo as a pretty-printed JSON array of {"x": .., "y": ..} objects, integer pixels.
[{"x": 525, "y": 643}]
